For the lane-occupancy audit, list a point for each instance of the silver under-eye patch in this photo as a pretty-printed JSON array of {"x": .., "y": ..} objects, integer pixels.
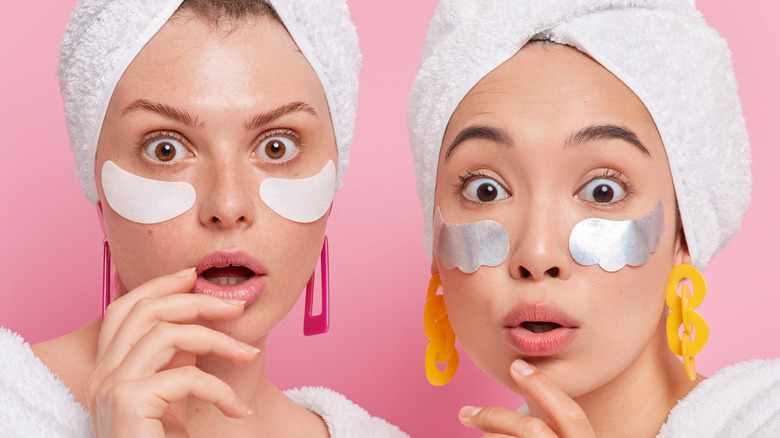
[
  {"x": 615, "y": 244},
  {"x": 469, "y": 246}
]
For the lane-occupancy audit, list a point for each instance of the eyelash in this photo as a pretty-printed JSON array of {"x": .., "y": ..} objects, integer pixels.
[
  {"x": 469, "y": 176},
  {"x": 615, "y": 176},
  {"x": 464, "y": 179},
  {"x": 148, "y": 138},
  {"x": 286, "y": 133}
]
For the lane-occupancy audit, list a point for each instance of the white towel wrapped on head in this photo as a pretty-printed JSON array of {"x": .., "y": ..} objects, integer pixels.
[
  {"x": 662, "y": 50},
  {"x": 104, "y": 36}
]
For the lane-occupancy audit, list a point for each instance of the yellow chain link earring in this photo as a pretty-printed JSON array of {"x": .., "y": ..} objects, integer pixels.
[
  {"x": 681, "y": 302},
  {"x": 441, "y": 338}
]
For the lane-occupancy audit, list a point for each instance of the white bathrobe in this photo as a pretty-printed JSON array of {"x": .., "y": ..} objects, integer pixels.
[
  {"x": 35, "y": 403},
  {"x": 741, "y": 400}
]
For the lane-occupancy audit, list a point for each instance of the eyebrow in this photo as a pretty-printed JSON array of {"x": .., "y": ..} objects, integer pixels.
[
  {"x": 269, "y": 116},
  {"x": 604, "y": 132},
  {"x": 163, "y": 109},
  {"x": 496, "y": 135},
  {"x": 257, "y": 121}
]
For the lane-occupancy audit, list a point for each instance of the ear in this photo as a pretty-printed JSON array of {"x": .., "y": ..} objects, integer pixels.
[{"x": 682, "y": 256}]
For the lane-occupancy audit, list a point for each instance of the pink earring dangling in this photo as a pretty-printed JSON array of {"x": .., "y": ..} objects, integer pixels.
[
  {"x": 107, "y": 267},
  {"x": 318, "y": 324},
  {"x": 106, "y": 276}
]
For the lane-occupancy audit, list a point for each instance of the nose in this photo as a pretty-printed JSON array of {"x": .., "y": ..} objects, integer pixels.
[
  {"x": 542, "y": 248},
  {"x": 229, "y": 196}
]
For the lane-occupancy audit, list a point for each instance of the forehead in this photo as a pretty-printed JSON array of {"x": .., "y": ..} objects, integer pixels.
[
  {"x": 255, "y": 61},
  {"x": 547, "y": 91}
]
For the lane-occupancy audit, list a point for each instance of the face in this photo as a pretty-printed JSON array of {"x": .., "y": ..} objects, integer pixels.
[
  {"x": 549, "y": 139},
  {"x": 221, "y": 112}
]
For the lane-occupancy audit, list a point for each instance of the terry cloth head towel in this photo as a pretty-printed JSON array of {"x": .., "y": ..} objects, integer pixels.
[
  {"x": 104, "y": 36},
  {"x": 662, "y": 50}
]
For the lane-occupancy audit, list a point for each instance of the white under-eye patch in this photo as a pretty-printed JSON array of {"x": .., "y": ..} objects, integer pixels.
[
  {"x": 615, "y": 244},
  {"x": 301, "y": 200},
  {"x": 469, "y": 246},
  {"x": 143, "y": 200}
]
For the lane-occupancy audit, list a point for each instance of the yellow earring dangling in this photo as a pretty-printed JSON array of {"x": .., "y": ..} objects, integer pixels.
[
  {"x": 681, "y": 302},
  {"x": 441, "y": 338}
]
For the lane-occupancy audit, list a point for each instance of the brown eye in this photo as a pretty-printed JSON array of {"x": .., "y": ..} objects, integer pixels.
[
  {"x": 277, "y": 148},
  {"x": 602, "y": 191},
  {"x": 166, "y": 150},
  {"x": 484, "y": 190}
]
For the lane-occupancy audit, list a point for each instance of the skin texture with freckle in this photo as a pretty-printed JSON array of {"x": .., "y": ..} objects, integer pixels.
[{"x": 618, "y": 357}]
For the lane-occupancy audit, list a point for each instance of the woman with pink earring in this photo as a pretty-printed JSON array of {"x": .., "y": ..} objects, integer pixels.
[{"x": 212, "y": 136}]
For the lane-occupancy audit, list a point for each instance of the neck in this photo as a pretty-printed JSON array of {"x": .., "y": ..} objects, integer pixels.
[
  {"x": 638, "y": 400},
  {"x": 273, "y": 413}
]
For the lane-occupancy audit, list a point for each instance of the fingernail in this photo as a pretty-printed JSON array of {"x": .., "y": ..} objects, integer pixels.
[
  {"x": 234, "y": 302},
  {"x": 245, "y": 407},
  {"x": 184, "y": 272},
  {"x": 521, "y": 367},
  {"x": 469, "y": 411},
  {"x": 248, "y": 347}
]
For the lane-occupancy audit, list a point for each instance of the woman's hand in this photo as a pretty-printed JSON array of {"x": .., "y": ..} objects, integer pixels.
[
  {"x": 145, "y": 367},
  {"x": 566, "y": 417}
]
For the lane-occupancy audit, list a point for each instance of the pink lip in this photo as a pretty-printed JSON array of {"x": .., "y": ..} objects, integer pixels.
[
  {"x": 248, "y": 290},
  {"x": 539, "y": 344}
]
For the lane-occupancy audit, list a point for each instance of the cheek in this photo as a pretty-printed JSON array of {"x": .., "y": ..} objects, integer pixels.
[
  {"x": 291, "y": 249},
  {"x": 302, "y": 200},
  {"x": 143, "y": 200},
  {"x": 614, "y": 245},
  {"x": 475, "y": 314},
  {"x": 143, "y": 252},
  {"x": 469, "y": 246},
  {"x": 625, "y": 312}
]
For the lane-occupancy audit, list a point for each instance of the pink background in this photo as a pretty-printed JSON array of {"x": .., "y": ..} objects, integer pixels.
[{"x": 50, "y": 241}]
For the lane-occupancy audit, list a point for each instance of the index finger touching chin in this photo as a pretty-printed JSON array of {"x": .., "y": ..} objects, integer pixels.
[{"x": 564, "y": 413}]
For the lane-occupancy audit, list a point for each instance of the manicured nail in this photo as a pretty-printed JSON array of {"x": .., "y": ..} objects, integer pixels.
[
  {"x": 234, "y": 302},
  {"x": 245, "y": 407},
  {"x": 184, "y": 272},
  {"x": 521, "y": 367},
  {"x": 248, "y": 347},
  {"x": 469, "y": 411}
]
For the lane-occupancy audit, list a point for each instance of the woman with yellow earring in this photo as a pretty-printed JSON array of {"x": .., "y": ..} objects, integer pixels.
[{"x": 576, "y": 164}]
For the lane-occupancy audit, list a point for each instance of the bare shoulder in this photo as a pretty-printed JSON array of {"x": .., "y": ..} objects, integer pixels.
[{"x": 71, "y": 357}]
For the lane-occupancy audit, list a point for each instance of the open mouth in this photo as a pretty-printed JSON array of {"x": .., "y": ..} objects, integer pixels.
[
  {"x": 540, "y": 326},
  {"x": 227, "y": 274},
  {"x": 233, "y": 275}
]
